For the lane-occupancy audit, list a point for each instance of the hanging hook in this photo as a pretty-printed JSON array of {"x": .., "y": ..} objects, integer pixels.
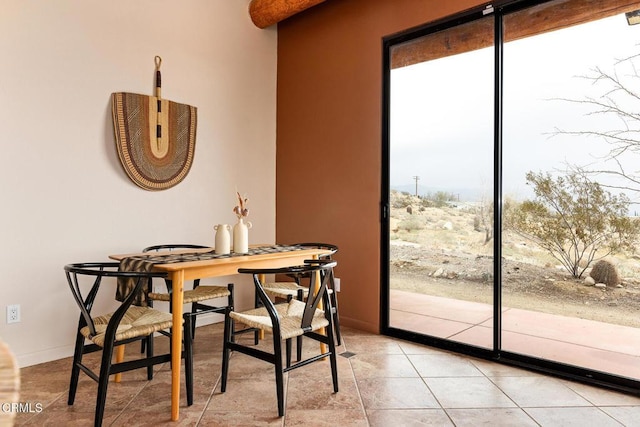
[{"x": 158, "y": 62}]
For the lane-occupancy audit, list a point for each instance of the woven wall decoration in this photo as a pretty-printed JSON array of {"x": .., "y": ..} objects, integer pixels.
[{"x": 155, "y": 138}]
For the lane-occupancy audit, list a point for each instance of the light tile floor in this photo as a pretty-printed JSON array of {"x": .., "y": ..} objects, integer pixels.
[{"x": 383, "y": 382}]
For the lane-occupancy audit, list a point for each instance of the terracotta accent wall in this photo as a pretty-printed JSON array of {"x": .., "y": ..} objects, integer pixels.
[{"x": 328, "y": 156}]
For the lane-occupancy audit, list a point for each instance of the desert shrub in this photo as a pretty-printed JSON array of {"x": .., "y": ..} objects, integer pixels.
[
  {"x": 574, "y": 220},
  {"x": 400, "y": 200},
  {"x": 410, "y": 224},
  {"x": 605, "y": 272},
  {"x": 487, "y": 277},
  {"x": 426, "y": 203},
  {"x": 400, "y": 203},
  {"x": 476, "y": 223},
  {"x": 483, "y": 219},
  {"x": 438, "y": 199}
]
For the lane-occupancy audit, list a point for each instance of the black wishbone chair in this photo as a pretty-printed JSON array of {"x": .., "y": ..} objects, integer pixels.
[
  {"x": 126, "y": 324},
  {"x": 286, "y": 321},
  {"x": 281, "y": 290}
]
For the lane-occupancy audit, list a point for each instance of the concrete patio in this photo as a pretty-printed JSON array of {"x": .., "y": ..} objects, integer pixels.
[{"x": 585, "y": 343}]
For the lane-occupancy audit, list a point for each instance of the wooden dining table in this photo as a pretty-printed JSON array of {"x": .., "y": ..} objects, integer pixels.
[{"x": 259, "y": 256}]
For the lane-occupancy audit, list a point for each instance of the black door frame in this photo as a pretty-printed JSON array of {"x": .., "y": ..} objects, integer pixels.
[{"x": 497, "y": 354}]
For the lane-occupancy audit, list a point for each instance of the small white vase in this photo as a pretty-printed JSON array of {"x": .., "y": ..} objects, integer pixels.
[
  {"x": 223, "y": 239},
  {"x": 241, "y": 237}
]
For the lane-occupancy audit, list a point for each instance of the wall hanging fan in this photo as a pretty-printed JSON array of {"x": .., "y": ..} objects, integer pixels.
[{"x": 155, "y": 137}]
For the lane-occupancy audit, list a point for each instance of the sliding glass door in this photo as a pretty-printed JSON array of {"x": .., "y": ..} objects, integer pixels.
[
  {"x": 512, "y": 191},
  {"x": 570, "y": 102},
  {"x": 441, "y": 184}
]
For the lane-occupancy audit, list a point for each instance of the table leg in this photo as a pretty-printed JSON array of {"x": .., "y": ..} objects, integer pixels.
[
  {"x": 323, "y": 347},
  {"x": 177, "y": 279},
  {"x": 119, "y": 359}
]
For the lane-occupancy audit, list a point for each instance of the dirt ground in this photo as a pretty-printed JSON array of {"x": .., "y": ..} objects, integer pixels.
[{"x": 457, "y": 274}]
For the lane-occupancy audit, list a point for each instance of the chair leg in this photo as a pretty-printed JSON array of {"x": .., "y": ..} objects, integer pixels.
[
  {"x": 300, "y": 297},
  {"x": 336, "y": 325},
  {"x": 103, "y": 382},
  {"x": 256, "y": 333},
  {"x": 277, "y": 351},
  {"x": 144, "y": 341},
  {"x": 288, "y": 351},
  {"x": 192, "y": 321},
  {"x": 75, "y": 369},
  {"x": 228, "y": 324},
  {"x": 230, "y": 303},
  {"x": 188, "y": 358},
  {"x": 230, "y": 297},
  {"x": 170, "y": 335},
  {"x": 336, "y": 318},
  {"x": 332, "y": 358},
  {"x": 334, "y": 371},
  {"x": 299, "y": 347},
  {"x": 149, "y": 341}
]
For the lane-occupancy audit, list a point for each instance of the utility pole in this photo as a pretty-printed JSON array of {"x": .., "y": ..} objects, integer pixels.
[{"x": 417, "y": 178}]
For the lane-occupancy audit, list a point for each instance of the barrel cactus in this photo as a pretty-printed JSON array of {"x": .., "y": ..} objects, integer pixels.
[{"x": 605, "y": 272}]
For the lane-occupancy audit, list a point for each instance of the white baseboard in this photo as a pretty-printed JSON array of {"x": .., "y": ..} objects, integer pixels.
[
  {"x": 58, "y": 353},
  {"x": 43, "y": 356}
]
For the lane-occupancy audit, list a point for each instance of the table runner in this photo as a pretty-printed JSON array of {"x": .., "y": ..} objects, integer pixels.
[{"x": 145, "y": 263}]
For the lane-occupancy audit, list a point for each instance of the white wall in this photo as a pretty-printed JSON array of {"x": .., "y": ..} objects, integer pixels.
[{"x": 64, "y": 195}]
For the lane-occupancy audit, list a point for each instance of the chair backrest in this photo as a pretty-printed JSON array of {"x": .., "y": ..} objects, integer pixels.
[
  {"x": 326, "y": 274},
  {"x": 93, "y": 272},
  {"x": 329, "y": 256},
  {"x": 325, "y": 268},
  {"x": 308, "y": 270}
]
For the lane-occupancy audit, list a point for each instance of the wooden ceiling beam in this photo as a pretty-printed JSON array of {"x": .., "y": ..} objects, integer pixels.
[
  {"x": 530, "y": 22},
  {"x": 265, "y": 13}
]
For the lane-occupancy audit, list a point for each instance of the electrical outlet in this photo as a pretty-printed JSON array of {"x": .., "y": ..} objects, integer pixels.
[
  {"x": 13, "y": 313},
  {"x": 336, "y": 284}
]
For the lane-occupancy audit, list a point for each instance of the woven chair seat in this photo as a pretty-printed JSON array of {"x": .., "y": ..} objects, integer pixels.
[
  {"x": 284, "y": 289},
  {"x": 290, "y": 315},
  {"x": 201, "y": 293},
  {"x": 137, "y": 322}
]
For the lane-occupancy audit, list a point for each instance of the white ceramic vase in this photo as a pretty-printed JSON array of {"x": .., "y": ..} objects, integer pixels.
[
  {"x": 241, "y": 237},
  {"x": 223, "y": 239}
]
